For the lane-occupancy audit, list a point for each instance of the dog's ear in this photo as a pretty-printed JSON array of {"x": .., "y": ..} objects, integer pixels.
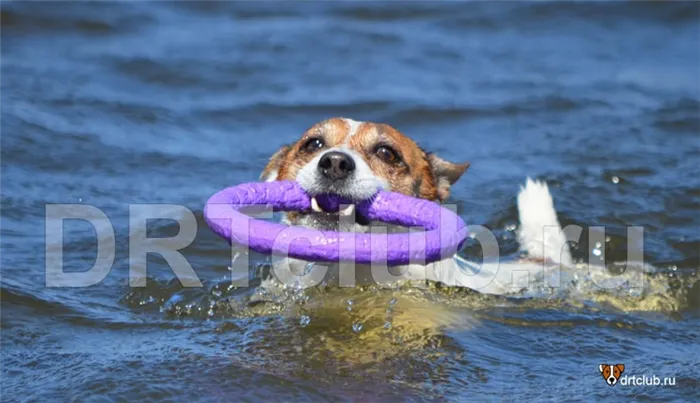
[
  {"x": 620, "y": 367},
  {"x": 272, "y": 168},
  {"x": 446, "y": 174},
  {"x": 601, "y": 367}
]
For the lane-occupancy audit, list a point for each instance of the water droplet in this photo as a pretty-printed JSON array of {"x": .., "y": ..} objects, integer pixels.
[
  {"x": 634, "y": 292},
  {"x": 392, "y": 302},
  {"x": 304, "y": 321},
  {"x": 607, "y": 239},
  {"x": 511, "y": 227},
  {"x": 615, "y": 179},
  {"x": 216, "y": 292},
  {"x": 309, "y": 267},
  {"x": 357, "y": 327},
  {"x": 597, "y": 252},
  {"x": 350, "y": 302},
  {"x": 211, "y": 312},
  {"x": 80, "y": 200},
  {"x": 233, "y": 260},
  {"x": 387, "y": 325},
  {"x": 148, "y": 300},
  {"x": 598, "y": 245}
]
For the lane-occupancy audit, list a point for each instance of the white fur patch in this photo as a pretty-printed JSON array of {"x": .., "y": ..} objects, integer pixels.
[
  {"x": 540, "y": 233},
  {"x": 353, "y": 127},
  {"x": 271, "y": 177}
]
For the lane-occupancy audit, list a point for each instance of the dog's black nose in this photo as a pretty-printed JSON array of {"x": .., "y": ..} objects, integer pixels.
[{"x": 335, "y": 165}]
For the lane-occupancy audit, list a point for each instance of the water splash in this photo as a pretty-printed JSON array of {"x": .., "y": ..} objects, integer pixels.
[
  {"x": 597, "y": 250},
  {"x": 308, "y": 268},
  {"x": 357, "y": 327}
]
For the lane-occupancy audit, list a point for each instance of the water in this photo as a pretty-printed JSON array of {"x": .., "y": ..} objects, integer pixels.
[{"x": 116, "y": 103}]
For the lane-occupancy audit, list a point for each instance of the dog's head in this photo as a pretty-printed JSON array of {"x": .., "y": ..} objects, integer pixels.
[
  {"x": 354, "y": 160},
  {"x": 611, "y": 373}
]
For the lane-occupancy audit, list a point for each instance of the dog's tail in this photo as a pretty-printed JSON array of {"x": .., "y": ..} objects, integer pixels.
[{"x": 540, "y": 233}]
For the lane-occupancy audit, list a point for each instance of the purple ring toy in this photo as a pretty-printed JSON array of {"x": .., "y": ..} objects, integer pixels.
[{"x": 446, "y": 231}]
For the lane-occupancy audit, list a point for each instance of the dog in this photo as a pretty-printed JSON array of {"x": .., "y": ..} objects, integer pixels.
[
  {"x": 356, "y": 159},
  {"x": 611, "y": 373}
]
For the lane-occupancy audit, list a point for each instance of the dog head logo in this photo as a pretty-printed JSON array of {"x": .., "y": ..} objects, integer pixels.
[{"x": 611, "y": 373}]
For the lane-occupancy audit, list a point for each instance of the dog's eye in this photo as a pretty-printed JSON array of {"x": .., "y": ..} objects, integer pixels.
[
  {"x": 313, "y": 144},
  {"x": 387, "y": 154}
]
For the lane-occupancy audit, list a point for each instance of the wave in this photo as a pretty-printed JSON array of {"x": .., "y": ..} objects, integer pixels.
[
  {"x": 680, "y": 116},
  {"x": 481, "y": 14},
  {"x": 97, "y": 19}
]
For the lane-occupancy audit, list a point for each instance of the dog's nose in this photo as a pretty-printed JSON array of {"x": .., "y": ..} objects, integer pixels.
[{"x": 336, "y": 165}]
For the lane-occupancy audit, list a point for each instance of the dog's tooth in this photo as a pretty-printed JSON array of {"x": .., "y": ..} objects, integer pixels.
[
  {"x": 315, "y": 206},
  {"x": 347, "y": 210}
]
